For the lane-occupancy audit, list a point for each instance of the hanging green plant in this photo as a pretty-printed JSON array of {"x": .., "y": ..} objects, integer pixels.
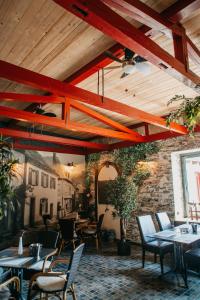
[
  {"x": 7, "y": 163},
  {"x": 187, "y": 114}
]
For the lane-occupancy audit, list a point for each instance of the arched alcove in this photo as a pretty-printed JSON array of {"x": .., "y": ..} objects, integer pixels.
[{"x": 108, "y": 171}]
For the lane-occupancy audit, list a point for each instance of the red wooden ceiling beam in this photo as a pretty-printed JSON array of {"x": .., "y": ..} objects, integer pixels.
[
  {"x": 68, "y": 150},
  {"x": 181, "y": 9},
  {"x": 144, "y": 14},
  {"x": 81, "y": 127},
  {"x": 103, "y": 18},
  {"x": 25, "y": 116},
  {"x": 31, "y": 98},
  {"x": 101, "y": 118},
  {"x": 173, "y": 13},
  {"x": 21, "y": 75},
  {"x": 194, "y": 52},
  {"x": 51, "y": 139},
  {"x": 150, "y": 138}
]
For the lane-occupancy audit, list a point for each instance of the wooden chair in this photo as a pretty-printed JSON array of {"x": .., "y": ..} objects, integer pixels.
[
  {"x": 68, "y": 233},
  {"x": 57, "y": 282},
  {"x": 94, "y": 231}
]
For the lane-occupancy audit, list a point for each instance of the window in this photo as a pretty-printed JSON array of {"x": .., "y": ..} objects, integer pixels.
[
  {"x": 191, "y": 184},
  {"x": 33, "y": 177},
  {"x": 52, "y": 183},
  {"x": 44, "y": 180}
]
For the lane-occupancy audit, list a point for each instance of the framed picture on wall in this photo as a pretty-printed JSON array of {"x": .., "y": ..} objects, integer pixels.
[
  {"x": 33, "y": 177},
  {"x": 44, "y": 180}
]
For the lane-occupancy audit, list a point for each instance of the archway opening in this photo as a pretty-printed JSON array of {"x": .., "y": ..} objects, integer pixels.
[{"x": 107, "y": 173}]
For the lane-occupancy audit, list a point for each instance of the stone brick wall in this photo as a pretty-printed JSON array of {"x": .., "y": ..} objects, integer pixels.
[{"x": 156, "y": 193}]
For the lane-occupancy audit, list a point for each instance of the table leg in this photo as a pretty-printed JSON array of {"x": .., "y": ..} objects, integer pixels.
[{"x": 179, "y": 260}]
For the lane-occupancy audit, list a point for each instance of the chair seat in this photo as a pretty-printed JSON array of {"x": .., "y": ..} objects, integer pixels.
[
  {"x": 51, "y": 284},
  {"x": 160, "y": 244},
  {"x": 39, "y": 265},
  {"x": 193, "y": 253},
  {"x": 89, "y": 231}
]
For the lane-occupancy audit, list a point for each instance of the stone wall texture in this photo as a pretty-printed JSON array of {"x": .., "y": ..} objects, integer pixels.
[{"x": 156, "y": 193}]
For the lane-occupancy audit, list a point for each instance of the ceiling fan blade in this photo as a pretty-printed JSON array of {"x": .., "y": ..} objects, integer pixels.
[
  {"x": 112, "y": 68},
  {"x": 124, "y": 75},
  {"x": 113, "y": 57},
  {"x": 139, "y": 59}
]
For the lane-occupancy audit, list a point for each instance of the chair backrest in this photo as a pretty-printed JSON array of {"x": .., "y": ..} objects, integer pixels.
[
  {"x": 163, "y": 221},
  {"x": 67, "y": 227},
  {"x": 146, "y": 228},
  {"x": 48, "y": 238},
  {"x": 73, "y": 265},
  {"x": 100, "y": 222}
]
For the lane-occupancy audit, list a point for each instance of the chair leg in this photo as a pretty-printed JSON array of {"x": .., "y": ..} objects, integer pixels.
[
  {"x": 73, "y": 244},
  {"x": 97, "y": 243},
  {"x": 61, "y": 247},
  {"x": 65, "y": 295},
  {"x": 161, "y": 264},
  {"x": 155, "y": 258},
  {"x": 143, "y": 257},
  {"x": 73, "y": 292}
]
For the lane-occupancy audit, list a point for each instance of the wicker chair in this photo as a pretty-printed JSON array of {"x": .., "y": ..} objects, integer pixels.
[
  {"x": 57, "y": 282},
  {"x": 6, "y": 293}
]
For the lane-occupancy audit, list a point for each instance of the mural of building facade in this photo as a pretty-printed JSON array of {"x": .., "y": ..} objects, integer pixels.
[{"x": 45, "y": 184}]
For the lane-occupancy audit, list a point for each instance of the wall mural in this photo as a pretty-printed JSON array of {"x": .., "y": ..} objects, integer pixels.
[{"x": 45, "y": 184}]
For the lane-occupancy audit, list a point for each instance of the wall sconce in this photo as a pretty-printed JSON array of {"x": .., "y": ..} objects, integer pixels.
[{"x": 69, "y": 167}]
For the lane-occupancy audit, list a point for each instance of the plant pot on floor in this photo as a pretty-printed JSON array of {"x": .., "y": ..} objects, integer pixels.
[{"x": 123, "y": 248}]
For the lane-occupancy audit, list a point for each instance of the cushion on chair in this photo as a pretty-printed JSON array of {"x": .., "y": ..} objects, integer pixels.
[
  {"x": 160, "y": 244},
  {"x": 50, "y": 284},
  {"x": 39, "y": 265},
  {"x": 89, "y": 231}
]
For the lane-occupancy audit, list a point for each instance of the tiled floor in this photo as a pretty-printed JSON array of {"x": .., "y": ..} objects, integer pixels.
[{"x": 105, "y": 276}]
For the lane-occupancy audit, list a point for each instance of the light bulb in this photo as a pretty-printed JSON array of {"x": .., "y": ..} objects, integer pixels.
[
  {"x": 143, "y": 68},
  {"x": 129, "y": 68}
]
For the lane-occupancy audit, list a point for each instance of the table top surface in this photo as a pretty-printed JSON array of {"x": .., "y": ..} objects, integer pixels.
[
  {"x": 10, "y": 258},
  {"x": 175, "y": 235}
]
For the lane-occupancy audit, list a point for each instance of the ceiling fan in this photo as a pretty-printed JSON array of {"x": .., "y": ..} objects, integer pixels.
[
  {"x": 40, "y": 111},
  {"x": 130, "y": 63}
]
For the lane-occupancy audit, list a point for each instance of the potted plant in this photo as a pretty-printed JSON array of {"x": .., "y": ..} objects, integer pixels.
[
  {"x": 122, "y": 195},
  {"x": 187, "y": 114},
  {"x": 7, "y": 163}
]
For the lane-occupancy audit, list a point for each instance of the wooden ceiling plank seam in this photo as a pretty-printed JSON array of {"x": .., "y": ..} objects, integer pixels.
[
  {"x": 106, "y": 20},
  {"x": 21, "y": 75},
  {"x": 102, "y": 118},
  {"x": 51, "y": 139},
  {"x": 24, "y": 116}
]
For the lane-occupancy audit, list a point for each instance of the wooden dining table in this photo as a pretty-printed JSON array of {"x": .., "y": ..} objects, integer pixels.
[
  {"x": 9, "y": 258},
  {"x": 182, "y": 238}
]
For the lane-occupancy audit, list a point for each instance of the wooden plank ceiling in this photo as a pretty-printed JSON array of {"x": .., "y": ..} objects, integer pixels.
[{"x": 43, "y": 37}]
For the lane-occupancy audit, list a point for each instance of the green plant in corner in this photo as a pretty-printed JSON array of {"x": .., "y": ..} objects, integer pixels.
[
  {"x": 187, "y": 114},
  {"x": 7, "y": 163},
  {"x": 122, "y": 195}
]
